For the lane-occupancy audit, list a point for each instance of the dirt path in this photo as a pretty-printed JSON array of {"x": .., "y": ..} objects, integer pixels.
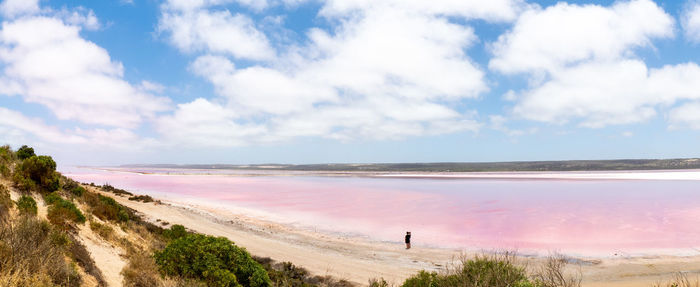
[{"x": 107, "y": 257}]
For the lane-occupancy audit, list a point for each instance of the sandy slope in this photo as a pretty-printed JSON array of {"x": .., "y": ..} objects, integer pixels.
[
  {"x": 107, "y": 257},
  {"x": 358, "y": 260}
]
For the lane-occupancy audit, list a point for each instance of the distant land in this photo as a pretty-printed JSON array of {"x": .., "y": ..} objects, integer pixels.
[{"x": 566, "y": 165}]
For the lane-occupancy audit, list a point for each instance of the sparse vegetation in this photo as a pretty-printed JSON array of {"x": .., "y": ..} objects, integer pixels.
[
  {"x": 117, "y": 191},
  {"x": 495, "y": 270},
  {"x": 32, "y": 252},
  {"x": 26, "y": 205},
  {"x": 64, "y": 214},
  {"x": 142, "y": 198},
  {"x": 106, "y": 208}
]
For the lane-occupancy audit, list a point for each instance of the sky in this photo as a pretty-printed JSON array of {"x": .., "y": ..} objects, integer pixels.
[{"x": 339, "y": 81}]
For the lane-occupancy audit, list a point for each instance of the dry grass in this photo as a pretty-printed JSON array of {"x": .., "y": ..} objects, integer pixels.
[
  {"x": 32, "y": 250},
  {"x": 553, "y": 273},
  {"x": 680, "y": 279}
]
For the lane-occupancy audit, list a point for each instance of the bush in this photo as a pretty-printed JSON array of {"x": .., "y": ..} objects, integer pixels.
[
  {"x": 25, "y": 152},
  {"x": 141, "y": 198},
  {"x": 105, "y": 231},
  {"x": 215, "y": 260},
  {"x": 117, "y": 191},
  {"x": 106, "y": 208},
  {"x": 141, "y": 271},
  {"x": 176, "y": 231},
  {"x": 37, "y": 171},
  {"x": 488, "y": 270},
  {"x": 4, "y": 170},
  {"x": 64, "y": 214},
  {"x": 26, "y": 205},
  {"x": 6, "y": 154},
  {"x": 73, "y": 187}
]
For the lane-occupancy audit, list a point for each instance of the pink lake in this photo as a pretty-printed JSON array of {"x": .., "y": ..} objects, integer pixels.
[{"x": 578, "y": 217}]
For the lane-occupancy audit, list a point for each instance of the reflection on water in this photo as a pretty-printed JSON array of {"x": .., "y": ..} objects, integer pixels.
[{"x": 596, "y": 217}]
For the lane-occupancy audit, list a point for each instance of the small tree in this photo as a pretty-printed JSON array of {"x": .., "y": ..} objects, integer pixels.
[
  {"x": 37, "y": 171},
  {"x": 25, "y": 152}
]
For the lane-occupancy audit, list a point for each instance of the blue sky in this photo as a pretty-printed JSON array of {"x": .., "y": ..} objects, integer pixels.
[{"x": 310, "y": 81}]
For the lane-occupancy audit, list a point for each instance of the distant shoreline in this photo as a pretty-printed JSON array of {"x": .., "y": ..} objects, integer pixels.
[
  {"x": 667, "y": 174},
  {"x": 454, "y": 167}
]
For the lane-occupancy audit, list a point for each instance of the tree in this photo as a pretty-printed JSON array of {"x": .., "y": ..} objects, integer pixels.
[
  {"x": 37, "y": 171},
  {"x": 25, "y": 152}
]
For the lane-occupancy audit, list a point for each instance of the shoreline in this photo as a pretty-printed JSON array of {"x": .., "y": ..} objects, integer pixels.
[
  {"x": 670, "y": 174},
  {"x": 358, "y": 260}
]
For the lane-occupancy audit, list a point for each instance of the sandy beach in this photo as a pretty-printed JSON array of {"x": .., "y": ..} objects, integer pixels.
[{"x": 359, "y": 259}]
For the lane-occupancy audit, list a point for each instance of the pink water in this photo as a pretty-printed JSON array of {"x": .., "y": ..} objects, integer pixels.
[{"x": 585, "y": 217}]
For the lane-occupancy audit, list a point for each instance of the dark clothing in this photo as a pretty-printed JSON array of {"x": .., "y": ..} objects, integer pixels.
[{"x": 408, "y": 238}]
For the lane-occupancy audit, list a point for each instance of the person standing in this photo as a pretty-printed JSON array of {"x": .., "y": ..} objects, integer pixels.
[{"x": 408, "y": 240}]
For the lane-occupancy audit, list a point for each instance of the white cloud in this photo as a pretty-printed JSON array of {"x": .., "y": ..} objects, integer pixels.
[
  {"x": 14, "y": 8},
  {"x": 386, "y": 74},
  {"x": 582, "y": 64},
  {"x": 687, "y": 115},
  {"x": 691, "y": 22},
  {"x": 546, "y": 40},
  {"x": 16, "y": 123},
  {"x": 79, "y": 17},
  {"x": 205, "y": 123},
  {"x": 494, "y": 10},
  {"x": 191, "y": 27},
  {"x": 609, "y": 93},
  {"x": 47, "y": 62}
]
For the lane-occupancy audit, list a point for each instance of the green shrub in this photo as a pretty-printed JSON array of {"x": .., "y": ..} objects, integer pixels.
[
  {"x": 141, "y": 198},
  {"x": 4, "y": 170},
  {"x": 215, "y": 260},
  {"x": 73, "y": 187},
  {"x": 52, "y": 198},
  {"x": 487, "y": 270},
  {"x": 6, "y": 154},
  {"x": 176, "y": 231},
  {"x": 25, "y": 152},
  {"x": 64, "y": 213},
  {"x": 77, "y": 191},
  {"x": 37, "y": 171},
  {"x": 117, "y": 191},
  {"x": 106, "y": 208},
  {"x": 26, "y": 205}
]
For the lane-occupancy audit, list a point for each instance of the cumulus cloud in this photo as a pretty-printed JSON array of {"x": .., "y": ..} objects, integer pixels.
[
  {"x": 691, "y": 21},
  {"x": 14, "y": 8},
  {"x": 687, "y": 115},
  {"x": 546, "y": 40},
  {"x": 494, "y": 10},
  {"x": 192, "y": 27},
  {"x": 609, "y": 93},
  {"x": 385, "y": 73},
  {"x": 46, "y": 61},
  {"x": 583, "y": 68}
]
